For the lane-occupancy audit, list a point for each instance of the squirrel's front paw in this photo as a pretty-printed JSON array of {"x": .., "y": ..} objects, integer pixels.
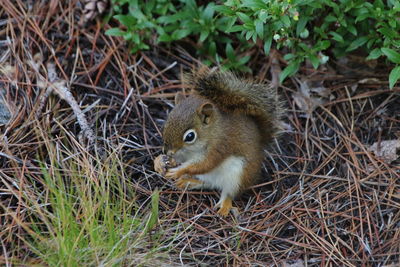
[{"x": 162, "y": 163}]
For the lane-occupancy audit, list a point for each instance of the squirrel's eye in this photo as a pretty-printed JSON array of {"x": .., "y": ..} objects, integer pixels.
[{"x": 189, "y": 136}]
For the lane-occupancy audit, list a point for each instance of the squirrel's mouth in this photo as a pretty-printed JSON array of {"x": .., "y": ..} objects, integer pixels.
[
  {"x": 178, "y": 156},
  {"x": 178, "y": 159}
]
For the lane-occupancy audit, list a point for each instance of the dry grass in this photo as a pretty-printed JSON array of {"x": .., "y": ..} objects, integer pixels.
[{"x": 326, "y": 199}]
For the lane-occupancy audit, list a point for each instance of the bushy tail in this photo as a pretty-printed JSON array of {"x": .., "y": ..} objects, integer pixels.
[{"x": 230, "y": 94}]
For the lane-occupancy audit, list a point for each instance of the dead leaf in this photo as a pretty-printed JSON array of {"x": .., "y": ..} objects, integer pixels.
[
  {"x": 10, "y": 72},
  {"x": 293, "y": 263},
  {"x": 386, "y": 150},
  {"x": 5, "y": 114},
  {"x": 321, "y": 91},
  {"x": 308, "y": 98}
]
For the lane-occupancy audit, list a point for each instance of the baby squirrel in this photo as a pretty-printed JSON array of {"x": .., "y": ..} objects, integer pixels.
[{"x": 215, "y": 137}]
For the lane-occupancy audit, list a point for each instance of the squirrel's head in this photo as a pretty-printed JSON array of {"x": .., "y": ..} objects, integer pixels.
[{"x": 189, "y": 128}]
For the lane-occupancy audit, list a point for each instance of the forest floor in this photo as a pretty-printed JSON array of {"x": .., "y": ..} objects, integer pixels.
[{"x": 73, "y": 195}]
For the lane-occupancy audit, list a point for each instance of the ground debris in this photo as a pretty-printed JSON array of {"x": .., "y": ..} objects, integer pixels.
[
  {"x": 387, "y": 150},
  {"x": 93, "y": 9},
  {"x": 307, "y": 98},
  {"x": 296, "y": 263},
  {"x": 5, "y": 114}
]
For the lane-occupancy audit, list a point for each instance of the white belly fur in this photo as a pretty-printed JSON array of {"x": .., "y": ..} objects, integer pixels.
[{"x": 226, "y": 177}]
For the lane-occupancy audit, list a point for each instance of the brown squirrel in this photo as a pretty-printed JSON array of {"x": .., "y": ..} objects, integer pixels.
[{"x": 215, "y": 138}]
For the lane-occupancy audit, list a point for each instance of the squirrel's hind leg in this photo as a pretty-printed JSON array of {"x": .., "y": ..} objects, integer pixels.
[{"x": 224, "y": 205}]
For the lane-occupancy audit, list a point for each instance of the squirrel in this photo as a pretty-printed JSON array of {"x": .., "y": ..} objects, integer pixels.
[{"x": 215, "y": 137}]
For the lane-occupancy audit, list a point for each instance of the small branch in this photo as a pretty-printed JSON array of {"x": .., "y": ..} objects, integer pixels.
[{"x": 54, "y": 84}]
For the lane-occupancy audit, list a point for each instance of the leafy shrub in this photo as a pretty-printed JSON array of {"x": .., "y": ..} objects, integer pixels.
[{"x": 308, "y": 28}]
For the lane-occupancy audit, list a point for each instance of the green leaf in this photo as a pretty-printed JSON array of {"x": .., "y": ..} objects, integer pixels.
[
  {"x": 362, "y": 13},
  {"x": 322, "y": 45},
  {"x": 153, "y": 218},
  {"x": 301, "y": 24},
  {"x": 243, "y": 17},
  {"x": 236, "y": 28},
  {"x": 128, "y": 36},
  {"x": 254, "y": 37},
  {"x": 337, "y": 37},
  {"x": 259, "y": 28},
  {"x": 126, "y": 20},
  {"x": 314, "y": 60},
  {"x": 170, "y": 19},
  {"x": 351, "y": 29},
  {"x": 370, "y": 43},
  {"x": 231, "y": 21},
  {"x": 304, "y": 47},
  {"x": 136, "y": 38},
  {"x": 136, "y": 13},
  {"x": 255, "y": 4},
  {"x": 387, "y": 32},
  {"x": 267, "y": 45},
  {"x": 149, "y": 6},
  {"x": 378, "y": 4},
  {"x": 203, "y": 35},
  {"x": 224, "y": 10},
  {"x": 289, "y": 56},
  {"x": 208, "y": 12},
  {"x": 244, "y": 60},
  {"x": 147, "y": 24},
  {"x": 212, "y": 49},
  {"x": 394, "y": 76},
  {"x": 115, "y": 32},
  {"x": 263, "y": 15},
  {"x": 230, "y": 53},
  {"x": 286, "y": 20},
  {"x": 180, "y": 34},
  {"x": 362, "y": 17},
  {"x": 391, "y": 54},
  {"x": 192, "y": 7},
  {"x": 357, "y": 43},
  {"x": 374, "y": 54},
  {"x": 143, "y": 46},
  {"x": 392, "y": 23},
  {"x": 330, "y": 18},
  {"x": 164, "y": 38},
  {"x": 291, "y": 69},
  {"x": 249, "y": 34}
]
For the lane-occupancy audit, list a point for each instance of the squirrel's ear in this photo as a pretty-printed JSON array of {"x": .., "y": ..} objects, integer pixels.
[
  {"x": 206, "y": 112},
  {"x": 179, "y": 97}
]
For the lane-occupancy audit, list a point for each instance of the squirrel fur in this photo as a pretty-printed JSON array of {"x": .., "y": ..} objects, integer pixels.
[{"x": 218, "y": 133}]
